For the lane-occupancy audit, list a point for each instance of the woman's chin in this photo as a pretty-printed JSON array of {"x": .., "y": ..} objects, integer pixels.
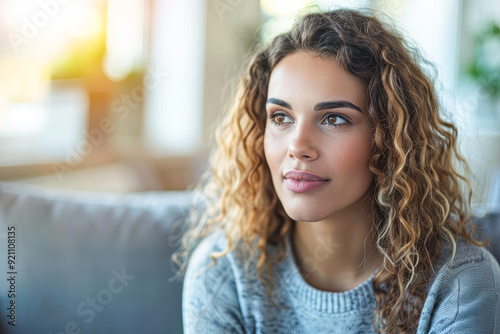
[{"x": 305, "y": 216}]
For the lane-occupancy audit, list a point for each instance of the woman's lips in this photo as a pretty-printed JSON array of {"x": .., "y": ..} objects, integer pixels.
[{"x": 300, "y": 181}]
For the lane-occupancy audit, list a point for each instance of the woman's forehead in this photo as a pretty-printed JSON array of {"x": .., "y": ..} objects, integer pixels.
[{"x": 305, "y": 76}]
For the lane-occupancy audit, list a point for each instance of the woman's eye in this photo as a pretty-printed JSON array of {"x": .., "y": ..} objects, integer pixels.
[
  {"x": 279, "y": 118},
  {"x": 335, "y": 120}
]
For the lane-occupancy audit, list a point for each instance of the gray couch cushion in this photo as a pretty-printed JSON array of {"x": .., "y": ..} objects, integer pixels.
[
  {"x": 489, "y": 224},
  {"x": 96, "y": 262}
]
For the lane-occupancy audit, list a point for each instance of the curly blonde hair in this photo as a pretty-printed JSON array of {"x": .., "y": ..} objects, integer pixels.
[{"x": 419, "y": 204}]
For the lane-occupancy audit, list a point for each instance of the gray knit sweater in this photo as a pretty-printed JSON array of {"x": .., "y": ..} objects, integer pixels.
[{"x": 463, "y": 297}]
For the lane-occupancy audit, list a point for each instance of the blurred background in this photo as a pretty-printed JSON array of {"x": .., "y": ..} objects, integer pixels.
[{"x": 123, "y": 95}]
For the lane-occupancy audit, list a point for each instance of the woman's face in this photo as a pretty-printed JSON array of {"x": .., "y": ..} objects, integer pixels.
[{"x": 316, "y": 140}]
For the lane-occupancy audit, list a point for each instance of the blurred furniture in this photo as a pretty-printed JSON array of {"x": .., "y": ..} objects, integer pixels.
[
  {"x": 107, "y": 172},
  {"x": 490, "y": 223},
  {"x": 101, "y": 262}
]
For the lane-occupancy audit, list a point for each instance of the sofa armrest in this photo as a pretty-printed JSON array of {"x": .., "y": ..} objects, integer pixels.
[{"x": 93, "y": 262}]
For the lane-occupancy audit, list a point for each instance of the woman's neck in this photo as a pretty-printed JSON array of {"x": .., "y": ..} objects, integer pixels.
[{"x": 338, "y": 253}]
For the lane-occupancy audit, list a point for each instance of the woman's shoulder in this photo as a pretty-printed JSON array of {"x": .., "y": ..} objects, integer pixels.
[
  {"x": 233, "y": 262},
  {"x": 465, "y": 256},
  {"x": 210, "y": 298},
  {"x": 463, "y": 295},
  {"x": 200, "y": 256},
  {"x": 467, "y": 264}
]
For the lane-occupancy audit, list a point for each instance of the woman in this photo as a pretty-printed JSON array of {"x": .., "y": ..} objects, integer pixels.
[{"x": 334, "y": 202}]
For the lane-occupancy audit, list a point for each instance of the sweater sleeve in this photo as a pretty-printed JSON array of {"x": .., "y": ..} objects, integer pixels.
[
  {"x": 466, "y": 298},
  {"x": 209, "y": 296}
]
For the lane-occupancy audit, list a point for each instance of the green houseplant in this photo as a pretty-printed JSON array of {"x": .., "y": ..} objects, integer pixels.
[{"x": 485, "y": 69}]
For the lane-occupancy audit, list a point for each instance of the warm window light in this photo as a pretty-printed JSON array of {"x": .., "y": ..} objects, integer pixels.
[
  {"x": 47, "y": 28},
  {"x": 174, "y": 78},
  {"x": 23, "y": 119},
  {"x": 124, "y": 38},
  {"x": 41, "y": 119},
  {"x": 24, "y": 80},
  {"x": 24, "y": 84}
]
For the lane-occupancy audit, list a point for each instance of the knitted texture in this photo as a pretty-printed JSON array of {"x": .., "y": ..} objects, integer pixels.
[{"x": 463, "y": 297}]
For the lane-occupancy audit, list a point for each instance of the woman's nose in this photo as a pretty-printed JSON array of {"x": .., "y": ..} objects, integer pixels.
[{"x": 303, "y": 144}]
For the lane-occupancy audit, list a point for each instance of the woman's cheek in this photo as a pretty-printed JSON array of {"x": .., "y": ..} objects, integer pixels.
[{"x": 272, "y": 145}]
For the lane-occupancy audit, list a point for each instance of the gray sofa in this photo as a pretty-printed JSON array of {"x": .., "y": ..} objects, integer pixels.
[
  {"x": 89, "y": 262},
  {"x": 101, "y": 263}
]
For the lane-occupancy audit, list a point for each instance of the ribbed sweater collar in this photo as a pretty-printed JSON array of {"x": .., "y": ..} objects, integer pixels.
[{"x": 319, "y": 300}]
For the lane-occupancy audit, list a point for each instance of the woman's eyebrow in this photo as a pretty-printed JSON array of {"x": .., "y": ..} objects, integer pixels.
[
  {"x": 336, "y": 104},
  {"x": 279, "y": 102},
  {"x": 319, "y": 106}
]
